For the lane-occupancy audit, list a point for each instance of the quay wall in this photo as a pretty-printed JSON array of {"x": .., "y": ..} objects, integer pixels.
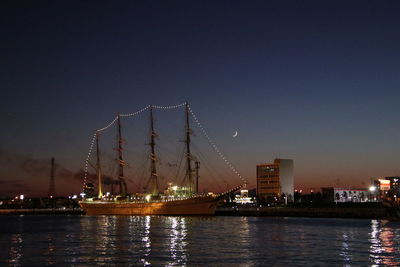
[
  {"x": 41, "y": 211},
  {"x": 323, "y": 212}
]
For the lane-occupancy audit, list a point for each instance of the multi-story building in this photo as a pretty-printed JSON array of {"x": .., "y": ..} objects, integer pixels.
[
  {"x": 386, "y": 188},
  {"x": 275, "y": 180}
]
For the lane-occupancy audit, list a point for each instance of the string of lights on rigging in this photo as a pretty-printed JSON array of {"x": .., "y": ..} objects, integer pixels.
[
  {"x": 211, "y": 142},
  {"x": 199, "y": 125}
]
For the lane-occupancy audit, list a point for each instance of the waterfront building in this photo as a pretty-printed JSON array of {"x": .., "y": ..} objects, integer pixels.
[
  {"x": 386, "y": 188},
  {"x": 345, "y": 194},
  {"x": 275, "y": 180},
  {"x": 243, "y": 198}
]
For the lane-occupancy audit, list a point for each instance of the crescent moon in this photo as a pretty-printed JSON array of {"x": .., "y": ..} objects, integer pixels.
[{"x": 235, "y": 134}]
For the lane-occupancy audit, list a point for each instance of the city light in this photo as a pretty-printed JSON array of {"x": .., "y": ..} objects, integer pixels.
[{"x": 372, "y": 188}]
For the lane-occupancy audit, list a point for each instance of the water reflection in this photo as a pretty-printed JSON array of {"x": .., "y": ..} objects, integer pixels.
[
  {"x": 197, "y": 241},
  {"x": 50, "y": 250},
  {"x": 146, "y": 241},
  {"x": 15, "y": 253},
  {"x": 383, "y": 245},
  {"x": 345, "y": 250},
  {"x": 178, "y": 241},
  {"x": 106, "y": 237}
]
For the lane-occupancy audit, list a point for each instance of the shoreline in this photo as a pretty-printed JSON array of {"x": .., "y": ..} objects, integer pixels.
[
  {"x": 41, "y": 212},
  {"x": 314, "y": 212},
  {"x": 378, "y": 212}
]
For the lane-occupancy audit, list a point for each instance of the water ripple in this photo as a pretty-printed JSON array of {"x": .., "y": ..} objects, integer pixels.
[{"x": 196, "y": 241}]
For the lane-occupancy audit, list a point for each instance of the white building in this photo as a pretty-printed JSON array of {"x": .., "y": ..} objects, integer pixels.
[{"x": 345, "y": 194}]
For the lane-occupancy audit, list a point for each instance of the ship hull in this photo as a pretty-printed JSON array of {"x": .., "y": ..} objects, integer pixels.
[{"x": 189, "y": 206}]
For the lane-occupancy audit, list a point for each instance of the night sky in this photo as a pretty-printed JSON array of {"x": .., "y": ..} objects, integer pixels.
[{"x": 313, "y": 81}]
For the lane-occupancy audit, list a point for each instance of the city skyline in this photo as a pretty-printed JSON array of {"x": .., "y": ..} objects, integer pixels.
[{"x": 311, "y": 81}]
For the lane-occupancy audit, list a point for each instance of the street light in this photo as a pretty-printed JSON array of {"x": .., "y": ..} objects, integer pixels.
[{"x": 372, "y": 190}]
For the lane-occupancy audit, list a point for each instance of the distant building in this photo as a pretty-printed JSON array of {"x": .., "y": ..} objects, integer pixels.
[
  {"x": 243, "y": 198},
  {"x": 345, "y": 194},
  {"x": 275, "y": 180},
  {"x": 386, "y": 188}
]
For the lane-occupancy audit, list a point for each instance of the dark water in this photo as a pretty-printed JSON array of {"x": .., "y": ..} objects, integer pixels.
[{"x": 196, "y": 241}]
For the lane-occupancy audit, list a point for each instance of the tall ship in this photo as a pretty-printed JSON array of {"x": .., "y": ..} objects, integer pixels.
[{"x": 183, "y": 199}]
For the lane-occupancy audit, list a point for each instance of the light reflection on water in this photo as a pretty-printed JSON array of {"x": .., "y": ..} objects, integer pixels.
[
  {"x": 177, "y": 233},
  {"x": 197, "y": 241},
  {"x": 146, "y": 240},
  {"x": 345, "y": 253},
  {"x": 16, "y": 249},
  {"x": 384, "y": 248}
]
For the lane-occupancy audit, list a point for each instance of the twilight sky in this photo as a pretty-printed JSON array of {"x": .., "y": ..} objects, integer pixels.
[{"x": 314, "y": 81}]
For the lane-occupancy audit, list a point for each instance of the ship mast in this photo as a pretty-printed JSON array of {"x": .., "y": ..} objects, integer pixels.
[
  {"x": 153, "y": 170},
  {"x": 52, "y": 182},
  {"x": 188, "y": 155},
  {"x": 121, "y": 163},
  {"x": 98, "y": 167},
  {"x": 197, "y": 167}
]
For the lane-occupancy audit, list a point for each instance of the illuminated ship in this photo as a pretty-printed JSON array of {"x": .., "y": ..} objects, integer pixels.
[{"x": 175, "y": 200}]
